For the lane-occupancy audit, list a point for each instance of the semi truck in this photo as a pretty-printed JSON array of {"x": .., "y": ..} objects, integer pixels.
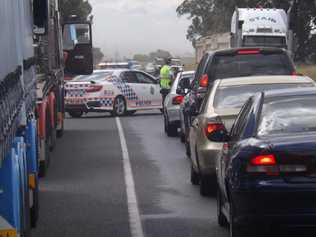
[
  {"x": 32, "y": 67},
  {"x": 267, "y": 27},
  {"x": 251, "y": 27}
]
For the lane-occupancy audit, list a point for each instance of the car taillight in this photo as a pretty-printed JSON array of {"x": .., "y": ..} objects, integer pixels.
[
  {"x": 204, "y": 81},
  {"x": 264, "y": 164},
  {"x": 94, "y": 88},
  {"x": 248, "y": 51},
  {"x": 177, "y": 99},
  {"x": 212, "y": 128}
]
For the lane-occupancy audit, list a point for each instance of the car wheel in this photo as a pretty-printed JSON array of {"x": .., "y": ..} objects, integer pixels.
[
  {"x": 195, "y": 179},
  {"x": 172, "y": 130},
  {"x": 207, "y": 185},
  {"x": 221, "y": 219},
  {"x": 75, "y": 113},
  {"x": 182, "y": 137},
  {"x": 131, "y": 112},
  {"x": 234, "y": 228},
  {"x": 119, "y": 107}
]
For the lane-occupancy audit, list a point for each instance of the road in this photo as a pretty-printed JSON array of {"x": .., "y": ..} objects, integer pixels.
[{"x": 84, "y": 193}]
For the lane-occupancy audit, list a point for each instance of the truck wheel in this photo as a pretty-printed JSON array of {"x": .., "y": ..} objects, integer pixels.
[
  {"x": 43, "y": 164},
  {"x": 75, "y": 113},
  {"x": 35, "y": 208},
  {"x": 119, "y": 107}
]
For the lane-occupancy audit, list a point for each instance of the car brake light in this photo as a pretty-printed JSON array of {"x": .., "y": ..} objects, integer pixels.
[
  {"x": 265, "y": 164},
  {"x": 94, "y": 88},
  {"x": 213, "y": 127},
  {"x": 248, "y": 51},
  {"x": 263, "y": 160},
  {"x": 177, "y": 99},
  {"x": 204, "y": 81}
]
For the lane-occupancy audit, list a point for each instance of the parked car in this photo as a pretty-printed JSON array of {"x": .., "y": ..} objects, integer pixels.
[
  {"x": 229, "y": 63},
  {"x": 218, "y": 113},
  {"x": 267, "y": 171},
  {"x": 173, "y": 100},
  {"x": 119, "y": 92}
]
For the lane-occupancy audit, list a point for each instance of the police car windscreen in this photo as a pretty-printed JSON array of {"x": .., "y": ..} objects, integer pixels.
[
  {"x": 96, "y": 76},
  {"x": 229, "y": 97},
  {"x": 226, "y": 66}
]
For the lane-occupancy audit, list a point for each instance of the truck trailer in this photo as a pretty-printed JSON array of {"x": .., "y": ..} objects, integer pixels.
[{"x": 32, "y": 68}]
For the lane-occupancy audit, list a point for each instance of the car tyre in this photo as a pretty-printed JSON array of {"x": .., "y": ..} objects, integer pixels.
[
  {"x": 235, "y": 230},
  {"x": 195, "y": 179},
  {"x": 221, "y": 219},
  {"x": 172, "y": 130},
  {"x": 131, "y": 112},
  {"x": 119, "y": 106},
  {"x": 75, "y": 113},
  {"x": 207, "y": 185}
]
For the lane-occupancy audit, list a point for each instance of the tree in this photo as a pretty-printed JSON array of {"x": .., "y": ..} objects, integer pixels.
[
  {"x": 141, "y": 57},
  {"x": 214, "y": 16},
  {"x": 81, "y": 8},
  {"x": 160, "y": 54},
  {"x": 97, "y": 55}
]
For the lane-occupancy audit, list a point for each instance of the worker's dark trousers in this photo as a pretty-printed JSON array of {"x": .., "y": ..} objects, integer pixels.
[{"x": 164, "y": 93}]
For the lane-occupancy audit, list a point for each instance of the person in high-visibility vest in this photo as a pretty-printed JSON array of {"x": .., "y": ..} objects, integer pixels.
[{"x": 165, "y": 79}]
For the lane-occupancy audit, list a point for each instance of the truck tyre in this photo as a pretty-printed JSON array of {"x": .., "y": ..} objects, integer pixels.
[
  {"x": 43, "y": 164},
  {"x": 119, "y": 106},
  {"x": 35, "y": 209},
  {"x": 75, "y": 113}
]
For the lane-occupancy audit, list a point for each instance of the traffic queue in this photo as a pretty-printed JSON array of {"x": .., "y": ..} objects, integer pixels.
[{"x": 247, "y": 120}]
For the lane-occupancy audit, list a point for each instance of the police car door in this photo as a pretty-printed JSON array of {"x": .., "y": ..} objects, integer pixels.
[
  {"x": 151, "y": 90},
  {"x": 131, "y": 89}
]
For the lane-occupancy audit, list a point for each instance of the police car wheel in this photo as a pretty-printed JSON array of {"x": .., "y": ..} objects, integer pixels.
[
  {"x": 119, "y": 107},
  {"x": 75, "y": 113}
]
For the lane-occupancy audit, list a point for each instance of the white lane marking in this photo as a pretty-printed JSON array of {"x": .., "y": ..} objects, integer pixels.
[{"x": 133, "y": 211}]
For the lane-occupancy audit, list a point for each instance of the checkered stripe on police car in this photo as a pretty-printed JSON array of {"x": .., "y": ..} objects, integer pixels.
[
  {"x": 106, "y": 102},
  {"x": 125, "y": 89},
  {"x": 75, "y": 93}
]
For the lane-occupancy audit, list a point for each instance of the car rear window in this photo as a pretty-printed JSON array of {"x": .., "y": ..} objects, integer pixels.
[
  {"x": 182, "y": 79},
  {"x": 236, "y": 96},
  {"x": 288, "y": 115},
  {"x": 96, "y": 76},
  {"x": 227, "y": 66}
]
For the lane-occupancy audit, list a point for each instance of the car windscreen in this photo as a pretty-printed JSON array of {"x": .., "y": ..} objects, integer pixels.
[
  {"x": 96, "y": 76},
  {"x": 235, "y": 96},
  {"x": 227, "y": 66},
  {"x": 271, "y": 41},
  {"x": 285, "y": 115}
]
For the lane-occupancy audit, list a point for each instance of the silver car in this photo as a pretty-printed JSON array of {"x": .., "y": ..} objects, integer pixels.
[
  {"x": 173, "y": 100},
  {"x": 218, "y": 112}
]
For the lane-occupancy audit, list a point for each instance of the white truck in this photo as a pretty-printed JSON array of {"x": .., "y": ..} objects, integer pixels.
[
  {"x": 251, "y": 27},
  {"x": 267, "y": 27}
]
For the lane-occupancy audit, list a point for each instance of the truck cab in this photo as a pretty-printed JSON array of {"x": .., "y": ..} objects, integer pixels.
[{"x": 260, "y": 27}]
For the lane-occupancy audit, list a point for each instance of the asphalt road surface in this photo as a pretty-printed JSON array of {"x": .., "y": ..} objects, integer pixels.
[{"x": 85, "y": 191}]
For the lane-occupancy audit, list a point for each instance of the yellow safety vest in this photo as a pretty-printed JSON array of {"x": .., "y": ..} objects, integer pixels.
[{"x": 165, "y": 77}]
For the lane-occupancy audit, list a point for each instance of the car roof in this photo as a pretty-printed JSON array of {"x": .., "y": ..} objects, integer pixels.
[
  {"x": 187, "y": 72},
  {"x": 255, "y": 80},
  {"x": 233, "y": 51},
  {"x": 290, "y": 92}
]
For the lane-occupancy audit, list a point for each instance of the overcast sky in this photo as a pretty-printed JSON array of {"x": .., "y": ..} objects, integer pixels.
[{"x": 139, "y": 26}]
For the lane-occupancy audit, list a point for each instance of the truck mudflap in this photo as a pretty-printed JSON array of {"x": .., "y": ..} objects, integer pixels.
[{"x": 6, "y": 230}]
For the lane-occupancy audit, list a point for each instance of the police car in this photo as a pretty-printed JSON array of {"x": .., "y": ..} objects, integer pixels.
[{"x": 120, "y": 92}]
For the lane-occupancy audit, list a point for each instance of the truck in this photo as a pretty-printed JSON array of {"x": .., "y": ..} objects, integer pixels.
[
  {"x": 263, "y": 27},
  {"x": 251, "y": 27},
  {"x": 32, "y": 67}
]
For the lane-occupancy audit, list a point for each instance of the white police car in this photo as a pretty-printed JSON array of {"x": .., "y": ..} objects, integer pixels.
[{"x": 119, "y": 92}]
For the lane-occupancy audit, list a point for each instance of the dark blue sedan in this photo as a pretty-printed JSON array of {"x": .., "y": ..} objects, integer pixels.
[{"x": 267, "y": 172}]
